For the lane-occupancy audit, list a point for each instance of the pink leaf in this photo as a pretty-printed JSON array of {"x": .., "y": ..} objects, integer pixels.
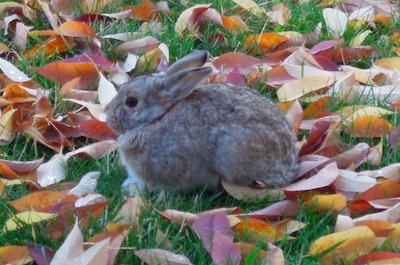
[
  {"x": 322, "y": 179},
  {"x": 223, "y": 252},
  {"x": 207, "y": 226},
  {"x": 274, "y": 211}
]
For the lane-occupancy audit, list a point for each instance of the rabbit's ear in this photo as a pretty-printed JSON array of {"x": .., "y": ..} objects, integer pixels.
[
  {"x": 182, "y": 83},
  {"x": 195, "y": 59}
]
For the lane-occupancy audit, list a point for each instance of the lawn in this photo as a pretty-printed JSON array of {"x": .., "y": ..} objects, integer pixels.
[{"x": 331, "y": 66}]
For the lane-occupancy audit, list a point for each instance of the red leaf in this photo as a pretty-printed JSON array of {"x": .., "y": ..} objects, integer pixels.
[
  {"x": 97, "y": 130},
  {"x": 377, "y": 256}
]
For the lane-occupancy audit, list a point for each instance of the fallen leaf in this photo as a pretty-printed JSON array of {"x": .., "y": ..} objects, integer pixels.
[
  {"x": 87, "y": 184},
  {"x": 41, "y": 201},
  {"x": 26, "y": 218},
  {"x": 325, "y": 203},
  {"x": 161, "y": 257},
  {"x": 375, "y": 258},
  {"x": 251, "y": 6},
  {"x": 265, "y": 42},
  {"x": 72, "y": 250},
  {"x": 16, "y": 255},
  {"x": 12, "y": 72},
  {"x": 298, "y": 88},
  {"x": 345, "y": 245},
  {"x": 247, "y": 193},
  {"x": 336, "y": 21},
  {"x": 369, "y": 127},
  {"x": 96, "y": 150},
  {"x": 52, "y": 171}
]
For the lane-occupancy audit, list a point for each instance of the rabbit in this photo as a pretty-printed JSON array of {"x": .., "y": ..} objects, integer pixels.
[{"x": 176, "y": 133}]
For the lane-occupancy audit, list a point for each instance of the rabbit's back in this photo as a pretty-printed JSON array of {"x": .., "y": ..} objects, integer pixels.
[{"x": 219, "y": 131}]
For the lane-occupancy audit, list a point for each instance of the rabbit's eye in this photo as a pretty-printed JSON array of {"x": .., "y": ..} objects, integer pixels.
[{"x": 131, "y": 102}]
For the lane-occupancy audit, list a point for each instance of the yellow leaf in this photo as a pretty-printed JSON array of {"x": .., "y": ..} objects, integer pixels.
[
  {"x": 322, "y": 203},
  {"x": 392, "y": 63},
  {"x": 359, "y": 39},
  {"x": 251, "y": 6},
  {"x": 6, "y": 132},
  {"x": 298, "y": 88},
  {"x": 28, "y": 217},
  {"x": 349, "y": 244},
  {"x": 233, "y": 220},
  {"x": 394, "y": 237},
  {"x": 350, "y": 113},
  {"x": 149, "y": 60}
]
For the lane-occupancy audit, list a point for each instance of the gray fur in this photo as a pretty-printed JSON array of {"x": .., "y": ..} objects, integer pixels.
[{"x": 184, "y": 135}]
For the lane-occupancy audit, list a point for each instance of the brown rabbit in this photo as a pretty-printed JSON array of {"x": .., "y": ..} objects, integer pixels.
[{"x": 176, "y": 133}]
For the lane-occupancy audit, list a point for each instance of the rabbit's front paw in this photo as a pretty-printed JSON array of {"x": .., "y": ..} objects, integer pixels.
[{"x": 133, "y": 186}]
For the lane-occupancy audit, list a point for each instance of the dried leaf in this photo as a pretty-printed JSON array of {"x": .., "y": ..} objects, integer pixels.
[
  {"x": 16, "y": 255},
  {"x": 369, "y": 127},
  {"x": 52, "y": 171},
  {"x": 12, "y": 72},
  {"x": 324, "y": 203},
  {"x": 265, "y": 42},
  {"x": 346, "y": 245},
  {"x": 161, "y": 257},
  {"x": 336, "y": 21},
  {"x": 298, "y": 88},
  {"x": 247, "y": 193},
  {"x": 41, "y": 201},
  {"x": 26, "y": 218}
]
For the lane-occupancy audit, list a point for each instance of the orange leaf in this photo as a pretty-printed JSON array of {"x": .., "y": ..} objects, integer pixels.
[
  {"x": 41, "y": 201},
  {"x": 14, "y": 91},
  {"x": 145, "y": 12},
  {"x": 248, "y": 249},
  {"x": 7, "y": 172},
  {"x": 346, "y": 245},
  {"x": 233, "y": 23},
  {"x": 383, "y": 190},
  {"x": 256, "y": 229},
  {"x": 369, "y": 127},
  {"x": 264, "y": 42},
  {"x": 322, "y": 203},
  {"x": 65, "y": 71},
  {"x": 3, "y": 194},
  {"x": 379, "y": 227},
  {"x": 316, "y": 108},
  {"x": 381, "y": 18},
  {"x": 50, "y": 46},
  {"x": 16, "y": 255},
  {"x": 76, "y": 29}
]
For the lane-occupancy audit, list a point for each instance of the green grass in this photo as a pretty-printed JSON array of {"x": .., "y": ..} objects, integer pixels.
[{"x": 304, "y": 20}]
